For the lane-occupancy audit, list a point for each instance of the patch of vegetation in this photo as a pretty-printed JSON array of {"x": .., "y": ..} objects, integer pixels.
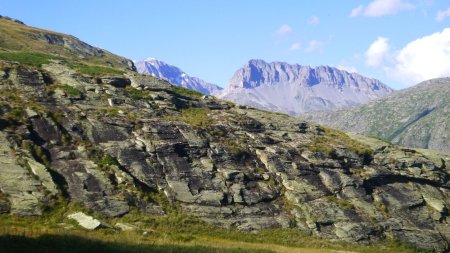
[
  {"x": 108, "y": 111},
  {"x": 14, "y": 103},
  {"x": 381, "y": 207},
  {"x": 196, "y": 117},
  {"x": 175, "y": 232},
  {"x": 28, "y": 58},
  {"x": 137, "y": 94},
  {"x": 65, "y": 243},
  {"x": 14, "y": 115},
  {"x": 56, "y": 116},
  {"x": 71, "y": 91},
  {"x": 341, "y": 202},
  {"x": 239, "y": 153},
  {"x": 185, "y": 92},
  {"x": 94, "y": 70},
  {"x": 330, "y": 138},
  {"x": 106, "y": 161},
  {"x": 36, "y": 151}
]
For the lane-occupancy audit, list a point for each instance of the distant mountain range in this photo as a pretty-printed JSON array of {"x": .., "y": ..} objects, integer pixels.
[
  {"x": 295, "y": 89},
  {"x": 418, "y": 116},
  {"x": 175, "y": 75}
]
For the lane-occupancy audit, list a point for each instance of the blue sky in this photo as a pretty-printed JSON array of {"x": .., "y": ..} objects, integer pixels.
[{"x": 400, "y": 42}]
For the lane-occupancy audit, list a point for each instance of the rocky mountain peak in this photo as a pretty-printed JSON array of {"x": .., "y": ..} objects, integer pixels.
[
  {"x": 160, "y": 69},
  {"x": 294, "y": 89}
]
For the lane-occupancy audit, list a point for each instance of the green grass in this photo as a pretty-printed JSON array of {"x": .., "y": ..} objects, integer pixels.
[
  {"x": 332, "y": 138},
  {"x": 196, "y": 117},
  {"x": 38, "y": 59},
  {"x": 174, "y": 233},
  {"x": 28, "y": 58},
  {"x": 341, "y": 202},
  {"x": 94, "y": 70},
  {"x": 71, "y": 91},
  {"x": 78, "y": 244},
  {"x": 185, "y": 92},
  {"x": 107, "y": 160},
  {"x": 137, "y": 94}
]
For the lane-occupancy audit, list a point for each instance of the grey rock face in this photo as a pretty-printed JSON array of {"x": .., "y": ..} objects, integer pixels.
[
  {"x": 295, "y": 89},
  {"x": 228, "y": 165},
  {"x": 175, "y": 76},
  {"x": 415, "y": 117}
]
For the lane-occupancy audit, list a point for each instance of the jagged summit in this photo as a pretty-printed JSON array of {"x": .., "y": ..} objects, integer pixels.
[
  {"x": 294, "y": 89},
  {"x": 160, "y": 69}
]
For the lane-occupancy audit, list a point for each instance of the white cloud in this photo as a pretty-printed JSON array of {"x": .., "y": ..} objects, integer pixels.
[
  {"x": 313, "y": 45},
  {"x": 422, "y": 59},
  {"x": 378, "y": 8},
  {"x": 349, "y": 69},
  {"x": 313, "y": 20},
  {"x": 377, "y": 52},
  {"x": 357, "y": 11},
  {"x": 283, "y": 30},
  {"x": 441, "y": 15},
  {"x": 295, "y": 46}
]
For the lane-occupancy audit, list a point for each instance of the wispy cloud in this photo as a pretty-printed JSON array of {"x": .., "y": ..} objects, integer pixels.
[
  {"x": 313, "y": 20},
  {"x": 378, "y": 8},
  {"x": 377, "y": 52},
  {"x": 357, "y": 11},
  {"x": 441, "y": 15},
  {"x": 314, "y": 45},
  {"x": 295, "y": 46},
  {"x": 283, "y": 30}
]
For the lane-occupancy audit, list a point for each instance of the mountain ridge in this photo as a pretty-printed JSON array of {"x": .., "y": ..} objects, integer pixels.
[
  {"x": 160, "y": 69},
  {"x": 294, "y": 89}
]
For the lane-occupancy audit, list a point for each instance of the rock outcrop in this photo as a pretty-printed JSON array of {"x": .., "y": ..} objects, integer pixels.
[
  {"x": 296, "y": 89},
  {"x": 229, "y": 165}
]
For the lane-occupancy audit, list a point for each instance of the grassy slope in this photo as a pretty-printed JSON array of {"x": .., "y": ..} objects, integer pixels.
[{"x": 15, "y": 37}]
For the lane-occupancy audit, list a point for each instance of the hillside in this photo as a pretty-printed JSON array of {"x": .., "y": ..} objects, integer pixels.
[
  {"x": 15, "y": 36},
  {"x": 138, "y": 160},
  {"x": 175, "y": 76},
  {"x": 295, "y": 89},
  {"x": 418, "y": 116}
]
